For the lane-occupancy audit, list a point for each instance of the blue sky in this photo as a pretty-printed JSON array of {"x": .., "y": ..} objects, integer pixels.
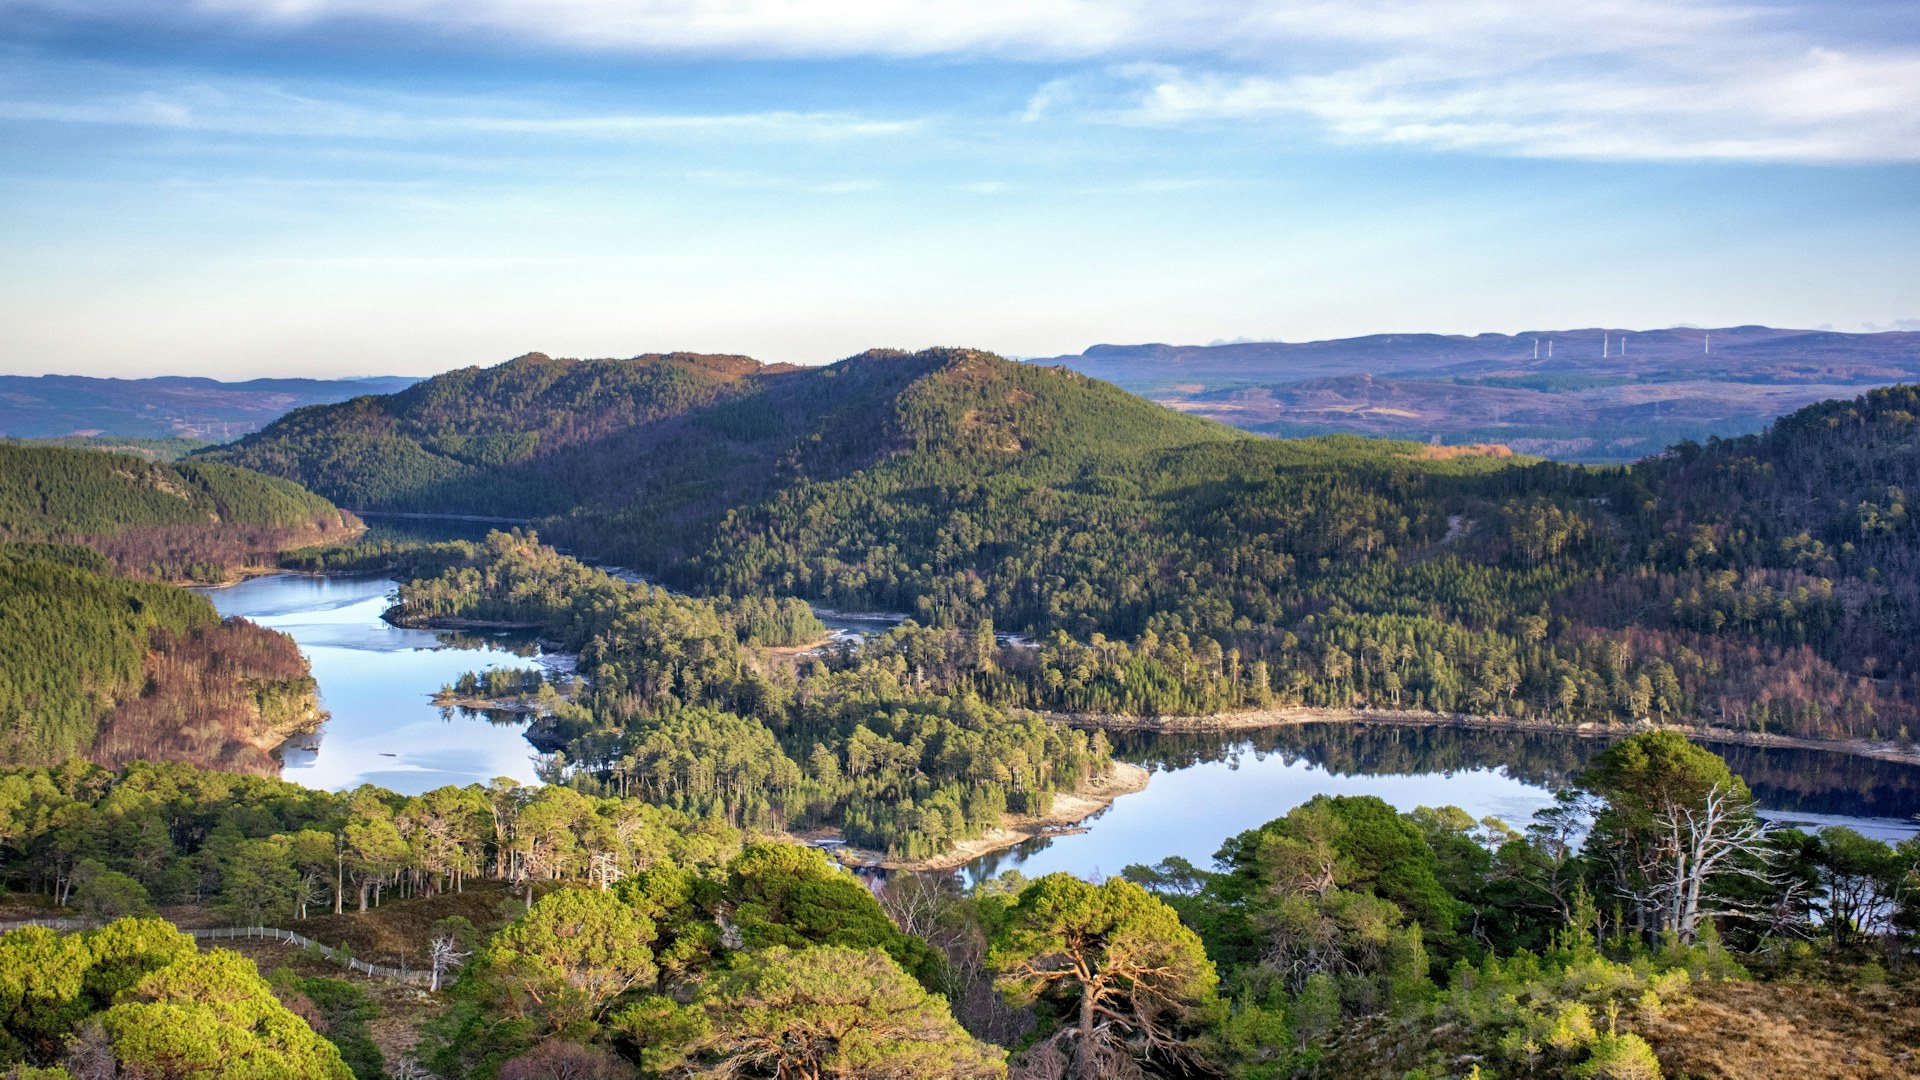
[{"x": 331, "y": 187}]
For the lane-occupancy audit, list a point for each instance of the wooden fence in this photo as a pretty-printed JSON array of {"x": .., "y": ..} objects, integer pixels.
[{"x": 224, "y": 933}]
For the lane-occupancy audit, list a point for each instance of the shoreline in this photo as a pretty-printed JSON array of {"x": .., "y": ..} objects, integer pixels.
[
  {"x": 524, "y": 705},
  {"x": 236, "y": 574},
  {"x": 393, "y": 616},
  {"x": 1069, "y": 810},
  {"x": 1293, "y": 716},
  {"x": 275, "y": 739},
  {"x": 483, "y": 519}
]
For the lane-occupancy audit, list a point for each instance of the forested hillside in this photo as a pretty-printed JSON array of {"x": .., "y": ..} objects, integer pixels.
[
  {"x": 194, "y": 520},
  {"x": 643, "y": 459},
  {"x": 523, "y": 438},
  {"x": 686, "y": 705},
  {"x": 1169, "y": 565},
  {"x": 112, "y": 669}
]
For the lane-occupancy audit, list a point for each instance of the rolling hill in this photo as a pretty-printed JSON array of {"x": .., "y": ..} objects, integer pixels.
[
  {"x": 1747, "y": 581},
  {"x": 105, "y": 659},
  {"x": 193, "y": 520},
  {"x": 642, "y": 459},
  {"x": 1598, "y": 394},
  {"x": 169, "y": 407}
]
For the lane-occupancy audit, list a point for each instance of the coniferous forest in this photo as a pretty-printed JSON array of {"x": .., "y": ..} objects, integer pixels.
[
  {"x": 1168, "y": 566},
  {"x": 1065, "y": 558},
  {"x": 186, "y": 521},
  {"x": 577, "y": 935},
  {"x": 105, "y": 659}
]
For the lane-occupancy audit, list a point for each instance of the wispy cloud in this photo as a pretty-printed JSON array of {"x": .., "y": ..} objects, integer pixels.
[
  {"x": 783, "y": 28},
  {"x": 1641, "y": 79},
  {"x": 1818, "y": 106},
  {"x": 1621, "y": 80},
  {"x": 266, "y": 109},
  {"x": 1761, "y": 80}
]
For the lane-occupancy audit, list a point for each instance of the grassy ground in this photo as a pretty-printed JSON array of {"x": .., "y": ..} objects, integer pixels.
[
  {"x": 401, "y": 928},
  {"x": 1788, "y": 1031},
  {"x": 404, "y": 1009}
]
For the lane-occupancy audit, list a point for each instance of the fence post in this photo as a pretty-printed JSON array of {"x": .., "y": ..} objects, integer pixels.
[{"x": 217, "y": 933}]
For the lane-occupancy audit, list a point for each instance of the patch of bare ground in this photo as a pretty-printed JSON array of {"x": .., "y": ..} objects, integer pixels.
[
  {"x": 1069, "y": 810},
  {"x": 766, "y": 658},
  {"x": 404, "y": 1009},
  {"x": 15, "y": 906},
  {"x": 1433, "y": 452},
  {"x": 400, "y": 929},
  {"x": 1737, "y": 1030}
]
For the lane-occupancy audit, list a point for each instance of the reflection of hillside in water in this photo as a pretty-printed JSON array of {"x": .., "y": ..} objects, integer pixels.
[
  {"x": 1373, "y": 750},
  {"x": 1820, "y": 782},
  {"x": 1806, "y": 781},
  {"x": 496, "y": 717}
]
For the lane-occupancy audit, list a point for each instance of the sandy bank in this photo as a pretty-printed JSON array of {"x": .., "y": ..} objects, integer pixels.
[{"x": 1069, "y": 810}]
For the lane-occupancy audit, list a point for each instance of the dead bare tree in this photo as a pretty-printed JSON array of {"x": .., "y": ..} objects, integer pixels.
[
  {"x": 604, "y": 867},
  {"x": 917, "y": 903},
  {"x": 446, "y": 955},
  {"x": 1692, "y": 845}
]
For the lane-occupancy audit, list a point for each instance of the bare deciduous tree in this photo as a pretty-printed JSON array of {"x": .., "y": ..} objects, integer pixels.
[
  {"x": 447, "y": 955},
  {"x": 1694, "y": 844}
]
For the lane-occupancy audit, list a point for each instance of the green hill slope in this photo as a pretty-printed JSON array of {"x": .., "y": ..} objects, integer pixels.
[
  {"x": 191, "y": 519},
  {"x": 646, "y": 457},
  {"x": 1763, "y": 583},
  {"x": 456, "y": 441},
  {"x": 113, "y": 669}
]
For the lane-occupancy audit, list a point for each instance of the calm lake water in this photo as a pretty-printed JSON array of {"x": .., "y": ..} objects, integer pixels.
[
  {"x": 1206, "y": 789},
  {"x": 378, "y": 680}
]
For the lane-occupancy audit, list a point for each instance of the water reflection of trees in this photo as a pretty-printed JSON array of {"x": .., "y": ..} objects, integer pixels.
[
  {"x": 1373, "y": 750},
  {"x": 1820, "y": 782},
  {"x": 522, "y": 643},
  {"x": 496, "y": 717},
  {"x": 1807, "y": 781},
  {"x": 382, "y": 528},
  {"x": 992, "y": 863}
]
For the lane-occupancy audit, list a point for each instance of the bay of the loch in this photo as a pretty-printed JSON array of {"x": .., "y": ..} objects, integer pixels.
[
  {"x": 1208, "y": 787},
  {"x": 376, "y": 682}
]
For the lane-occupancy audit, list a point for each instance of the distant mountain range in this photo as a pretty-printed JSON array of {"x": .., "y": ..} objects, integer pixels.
[
  {"x": 169, "y": 407},
  {"x": 1596, "y": 394}
]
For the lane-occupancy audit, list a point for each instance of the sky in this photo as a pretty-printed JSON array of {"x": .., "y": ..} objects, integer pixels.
[{"x": 241, "y": 188}]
